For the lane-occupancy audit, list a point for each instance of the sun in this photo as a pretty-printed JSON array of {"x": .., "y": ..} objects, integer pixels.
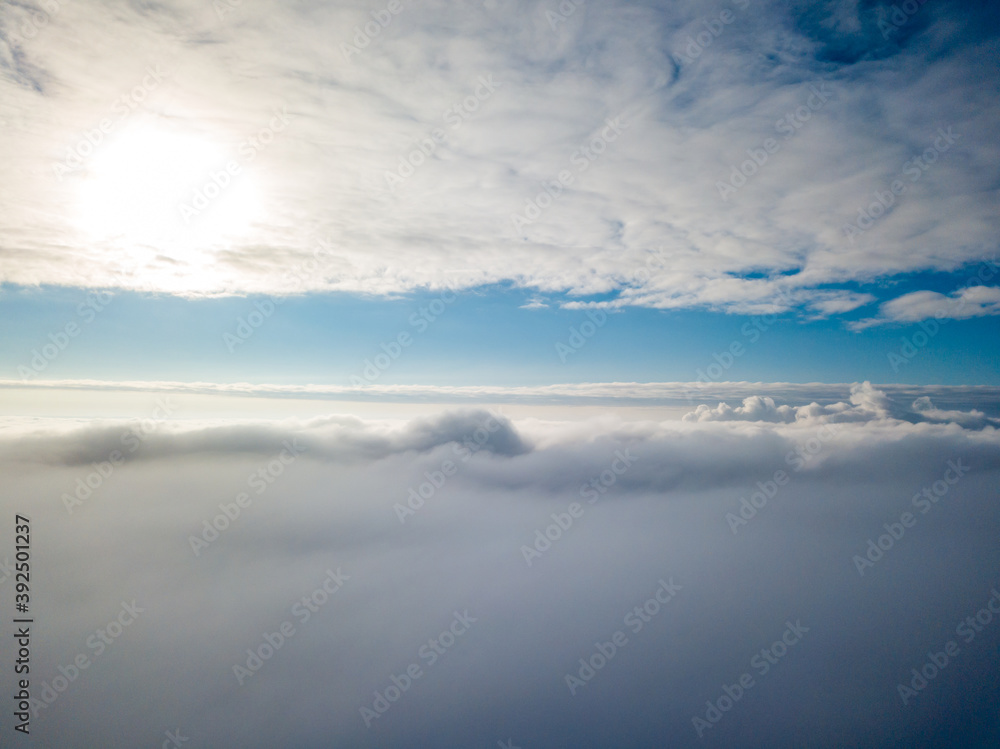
[{"x": 151, "y": 189}]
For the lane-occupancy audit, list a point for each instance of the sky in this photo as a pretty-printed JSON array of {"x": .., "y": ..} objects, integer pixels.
[{"x": 503, "y": 324}]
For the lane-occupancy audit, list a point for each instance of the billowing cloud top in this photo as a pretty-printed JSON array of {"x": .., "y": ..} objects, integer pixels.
[
  {"x": 866, "y": 404},
  {"x": 738, "y": 155},
  {"x": 350, "y": 439}
]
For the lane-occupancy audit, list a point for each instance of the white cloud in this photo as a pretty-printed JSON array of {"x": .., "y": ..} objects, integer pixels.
[
  {"x": 866, "y": 403},
  {"x": 754, "y": 408},
  {"x": 962, "y": 397},
  {"x": 973, "y": 301},
  {"x": 664, "y": 516},
  {"x": 667, "y": 394},
  {"x": 653, "y": 187},
  {"x": 332, "y": 438}
]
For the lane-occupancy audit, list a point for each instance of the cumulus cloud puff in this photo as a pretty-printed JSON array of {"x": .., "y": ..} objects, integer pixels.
[{"x": 866, "y": 403}]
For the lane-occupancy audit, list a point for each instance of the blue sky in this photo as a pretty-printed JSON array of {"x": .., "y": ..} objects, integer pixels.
[
  {"x": 685, "y": 168},
  {"x": 484, "y": 336}
]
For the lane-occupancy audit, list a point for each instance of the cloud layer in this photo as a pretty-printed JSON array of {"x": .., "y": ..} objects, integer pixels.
[
  {"x": 812, "y": 111},
  {"x": 217, "y": 536},
  {"x": 961, "y": 397}
]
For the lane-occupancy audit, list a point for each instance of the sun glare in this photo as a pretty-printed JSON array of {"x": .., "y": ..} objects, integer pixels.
[{"x": 154, "y": 190}]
